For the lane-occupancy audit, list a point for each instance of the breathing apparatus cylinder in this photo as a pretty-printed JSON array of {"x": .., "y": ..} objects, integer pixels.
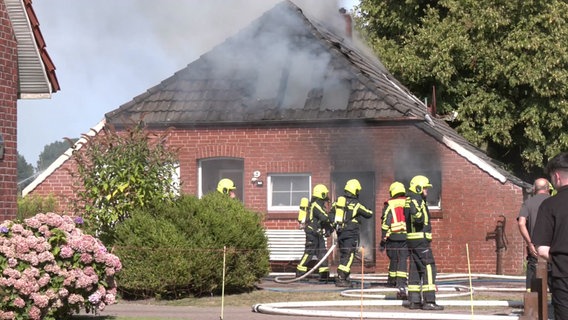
[
  {"x": 340, "y": 211},
  {"x": 303, "y": 212}
]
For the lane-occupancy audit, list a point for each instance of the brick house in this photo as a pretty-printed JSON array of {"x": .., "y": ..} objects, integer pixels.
[
  {"x": 27, "y": 73},
  {"x": 289, "y": 102}
]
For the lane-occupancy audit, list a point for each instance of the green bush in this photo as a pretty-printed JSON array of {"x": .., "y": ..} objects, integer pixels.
[
  {"x": 32, "y": 205},
  {"x": 177, "y": 250},
  {"x": 155, "y": 255}
]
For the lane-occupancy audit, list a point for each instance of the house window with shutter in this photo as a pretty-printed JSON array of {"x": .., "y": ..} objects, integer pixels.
[{"x": 286, "y": 190}]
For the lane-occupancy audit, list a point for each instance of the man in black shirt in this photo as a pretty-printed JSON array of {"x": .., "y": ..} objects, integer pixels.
[{"x": 550, "y": 234}]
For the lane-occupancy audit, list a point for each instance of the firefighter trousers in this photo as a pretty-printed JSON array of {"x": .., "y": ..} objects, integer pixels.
[
  {"x": 347, "y": 241},
  {"x": 315, "y": 246},
  {"x": 422, "y": 272},
  {"x": 397, "y": 251}
]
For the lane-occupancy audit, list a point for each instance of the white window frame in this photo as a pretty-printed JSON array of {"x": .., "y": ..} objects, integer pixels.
[{"x": 269, "y": 183}]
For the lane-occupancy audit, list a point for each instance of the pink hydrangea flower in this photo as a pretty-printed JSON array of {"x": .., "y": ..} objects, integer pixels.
[{"x": 53, "y": 277}]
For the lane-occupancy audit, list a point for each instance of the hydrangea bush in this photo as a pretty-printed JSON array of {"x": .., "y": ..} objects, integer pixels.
[{"x": 50, "y": 269}]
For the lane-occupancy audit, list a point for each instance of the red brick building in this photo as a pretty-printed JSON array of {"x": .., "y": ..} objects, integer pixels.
[
  {"x": 26, "y": 73},
  {"x": 289, "y": 102}
]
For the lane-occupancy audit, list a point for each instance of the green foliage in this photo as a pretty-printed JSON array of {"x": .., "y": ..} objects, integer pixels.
[
  {"x": 503, "y": 66},
  {"x": 118, "y": 172},
  {"x": 53, "y": 151},
  {"x": 186, "y": 241},
  {"x": 25, "y": 172},
  {"x": 32, "y": 205}
]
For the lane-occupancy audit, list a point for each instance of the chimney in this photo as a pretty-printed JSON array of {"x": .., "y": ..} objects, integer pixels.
[{"x": 348, "y": 22}]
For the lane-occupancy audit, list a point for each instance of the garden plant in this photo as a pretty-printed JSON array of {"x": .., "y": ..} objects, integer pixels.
[{"x": 51, "y": 269}]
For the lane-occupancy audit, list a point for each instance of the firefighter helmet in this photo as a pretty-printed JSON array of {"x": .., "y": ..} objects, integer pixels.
[
  {"x": 353, "y": 186},
  {"x": 396, "y": 188},
  {"x": 551, "y": 190},
  {"x": 225, "y": 185},
  {"x": 320, "y": 191},
  {"x": 418, "y": 183}
]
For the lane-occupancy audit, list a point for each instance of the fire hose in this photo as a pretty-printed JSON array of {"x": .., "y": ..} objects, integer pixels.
[{"x": 290, "y": 280}]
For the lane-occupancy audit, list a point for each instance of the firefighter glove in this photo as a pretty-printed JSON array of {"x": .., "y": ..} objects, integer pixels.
[{"x": 382, "y": 245}]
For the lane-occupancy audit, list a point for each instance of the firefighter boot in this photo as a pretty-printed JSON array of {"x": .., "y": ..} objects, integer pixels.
[
  {"x": 342, "y": 279},
  {"x": 324, "y": 276},
  {"x": 391, "y": 282},
  {"x": 401, "y": 294},
  {"x": 432, "y": 306}
]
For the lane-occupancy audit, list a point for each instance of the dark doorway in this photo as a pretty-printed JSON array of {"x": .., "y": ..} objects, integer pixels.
[{"x": 367, "y": 198}]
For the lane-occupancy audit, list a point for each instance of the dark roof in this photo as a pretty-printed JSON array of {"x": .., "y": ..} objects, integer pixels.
[{"x": 287, "y": 67}]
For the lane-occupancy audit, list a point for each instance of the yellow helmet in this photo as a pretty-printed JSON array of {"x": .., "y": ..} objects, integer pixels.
[
  {"x": 320, "y": 191},
  {"x": 225, "y": 185},
  {"x": 396, "y": 188},
  {"x": 418, "y": 183},
  {"x": 551, "y": 190},
  {"x": 353, "y": 186}
]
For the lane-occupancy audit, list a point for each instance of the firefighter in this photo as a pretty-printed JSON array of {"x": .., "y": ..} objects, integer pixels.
[
  {"x": 227, "y": 186},
  {"x": 422, "y": 275},
  {"x": 316, "y": 226},
  {"x": 348, "y": 212},
  {"x": 393, "y": 238}
]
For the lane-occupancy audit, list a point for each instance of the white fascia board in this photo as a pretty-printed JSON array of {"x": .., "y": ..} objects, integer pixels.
[
  {"x": 62, "y": 158},
  {"x": 473, "y": 159}
]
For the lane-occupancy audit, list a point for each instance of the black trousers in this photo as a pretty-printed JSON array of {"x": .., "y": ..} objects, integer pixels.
[
  {"x": 315, "y": 246},
  {"x": 422, "y": 272},
  {"x": 559, "y": 292},
  {"x": 531, "y": 270},
  {"x": 347, "y": 241},
  {"x": 397, "y": 251}
]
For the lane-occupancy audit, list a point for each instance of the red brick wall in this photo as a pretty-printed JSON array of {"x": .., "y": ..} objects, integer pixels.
[
  {"x": 8, "y": 116},
  {"x": 59, "y": 184},
  {"x": 471, "y": 205}
]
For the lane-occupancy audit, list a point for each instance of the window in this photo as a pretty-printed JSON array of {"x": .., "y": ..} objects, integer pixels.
[
  {"x": 286, "y": 190},
  {"x": 212, "y": 170},
  {"x": 434, "y": 193}
]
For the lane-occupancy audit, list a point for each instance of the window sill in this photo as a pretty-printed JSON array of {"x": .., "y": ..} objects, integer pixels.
[
  {"x": 436, "y": 213},
  {"x": 275, "y": 215}
]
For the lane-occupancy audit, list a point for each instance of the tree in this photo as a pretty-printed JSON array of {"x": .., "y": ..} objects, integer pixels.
[
  {"x": 503, "y": 66},
  {"x": 53, "y": 151},
  {"x": 25, "y": 172},
  {"x": 120, "y": 171}
]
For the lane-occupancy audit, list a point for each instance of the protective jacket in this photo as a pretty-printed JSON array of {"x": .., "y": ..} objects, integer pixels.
[
  {"x": 317, "y": 219},
  {"x": 417, "y": 218},
  {"x": 393, "y": 224},
  {"x": 350, "y": 218}
]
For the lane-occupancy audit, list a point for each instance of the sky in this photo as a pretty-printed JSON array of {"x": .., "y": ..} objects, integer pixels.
[{"x": 106, "y": 52}]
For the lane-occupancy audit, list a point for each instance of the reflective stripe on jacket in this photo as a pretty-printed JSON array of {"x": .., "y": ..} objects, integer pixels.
[{"x": 417, "y": 217}]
